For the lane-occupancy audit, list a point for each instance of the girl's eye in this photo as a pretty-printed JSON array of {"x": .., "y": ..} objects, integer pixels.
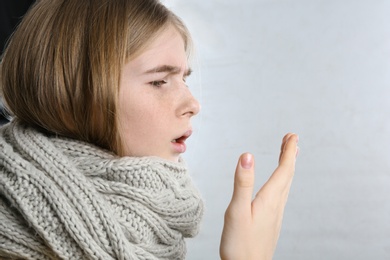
[{"x": 158, "y": 83}]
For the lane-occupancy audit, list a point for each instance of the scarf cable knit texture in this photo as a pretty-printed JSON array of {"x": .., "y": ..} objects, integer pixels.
[{"x": 65, "y": 199}]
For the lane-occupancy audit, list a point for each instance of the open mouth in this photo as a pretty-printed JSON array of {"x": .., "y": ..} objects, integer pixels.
[
  {"x": 180, "y": 140},
  {"x": 179, "y": 143}
]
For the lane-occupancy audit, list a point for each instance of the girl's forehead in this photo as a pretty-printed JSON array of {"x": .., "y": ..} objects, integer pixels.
[
  {"x": 165, "y": 39},
  {"x": 166, "y": 50}
]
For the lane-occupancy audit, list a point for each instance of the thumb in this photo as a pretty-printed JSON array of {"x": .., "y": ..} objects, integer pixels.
[{"x": 244, "y": 180}]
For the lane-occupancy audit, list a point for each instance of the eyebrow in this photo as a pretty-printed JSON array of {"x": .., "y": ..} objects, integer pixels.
[{"x": 169, "y": 69}]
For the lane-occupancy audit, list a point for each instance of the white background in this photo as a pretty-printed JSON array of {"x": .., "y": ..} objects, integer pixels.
[{"x": 318, "y": 68}]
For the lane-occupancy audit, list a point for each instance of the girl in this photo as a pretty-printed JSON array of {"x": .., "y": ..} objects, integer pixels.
[{"x": 90, "y": 166}]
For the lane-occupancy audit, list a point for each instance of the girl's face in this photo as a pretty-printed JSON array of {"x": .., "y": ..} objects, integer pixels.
[{"x": 155, "y": 105}]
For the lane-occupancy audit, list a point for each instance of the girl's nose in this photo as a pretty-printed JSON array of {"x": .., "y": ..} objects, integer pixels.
[{"x": 191, "y": 106}]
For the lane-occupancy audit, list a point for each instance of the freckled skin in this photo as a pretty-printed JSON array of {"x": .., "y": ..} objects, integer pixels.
[{"x": 155, "y": 105}]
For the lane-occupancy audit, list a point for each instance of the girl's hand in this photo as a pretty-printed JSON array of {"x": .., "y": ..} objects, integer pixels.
[{"x": 252, "y": 227}]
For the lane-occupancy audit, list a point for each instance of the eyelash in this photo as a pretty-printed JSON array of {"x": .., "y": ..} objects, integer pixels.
[{"x": 158, "y": 83}]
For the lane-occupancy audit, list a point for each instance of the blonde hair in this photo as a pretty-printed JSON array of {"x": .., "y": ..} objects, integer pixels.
[{"x": 61, "y": 70}]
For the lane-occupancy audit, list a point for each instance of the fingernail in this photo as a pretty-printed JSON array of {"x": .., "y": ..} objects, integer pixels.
[
  {"x": 297, "y": 153},
  {"x": 247, "y": 161},
  {"x": 296, "y": 139}
]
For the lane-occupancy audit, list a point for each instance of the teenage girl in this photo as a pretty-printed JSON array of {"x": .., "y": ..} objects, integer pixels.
[{"x": 90, "y": 165}]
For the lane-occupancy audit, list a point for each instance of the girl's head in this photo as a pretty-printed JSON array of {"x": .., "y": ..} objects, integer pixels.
[{"x": 62, "y": 70}]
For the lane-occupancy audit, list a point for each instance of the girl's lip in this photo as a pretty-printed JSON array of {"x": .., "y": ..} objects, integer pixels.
[
  {"x": 179, "y": 147},
  {"x": 183, "y": 137},
  {"x": 179, "y": 143},
  {"x": 187, "y": 134}
]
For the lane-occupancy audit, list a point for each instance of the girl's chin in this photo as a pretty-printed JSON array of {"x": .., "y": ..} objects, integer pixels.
[{"x": 173, "y": 157}]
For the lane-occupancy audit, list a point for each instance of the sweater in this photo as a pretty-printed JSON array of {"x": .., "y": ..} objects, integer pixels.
[{"x": 65, "y": 199}]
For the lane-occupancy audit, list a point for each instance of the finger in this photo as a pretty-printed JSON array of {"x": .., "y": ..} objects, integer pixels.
[
  {"x": 289, "y": 151},
  {"x": 284, "y": 141},
  {"x": 244, "y": 180},
  {"x": 281, "y": 178}
]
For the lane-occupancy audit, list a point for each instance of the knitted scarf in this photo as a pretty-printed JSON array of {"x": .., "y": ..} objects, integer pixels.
[{"x": 66, "y": 199}]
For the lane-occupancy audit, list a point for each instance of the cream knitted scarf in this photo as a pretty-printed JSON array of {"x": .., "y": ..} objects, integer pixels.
[{"x": 65, "y": 199}]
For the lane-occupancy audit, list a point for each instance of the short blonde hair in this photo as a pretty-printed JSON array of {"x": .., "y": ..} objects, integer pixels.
[{"x": 61, "y": 70}]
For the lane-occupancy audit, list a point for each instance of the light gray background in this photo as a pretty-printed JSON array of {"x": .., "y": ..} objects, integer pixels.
[{"x": 320, "y": 69}]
